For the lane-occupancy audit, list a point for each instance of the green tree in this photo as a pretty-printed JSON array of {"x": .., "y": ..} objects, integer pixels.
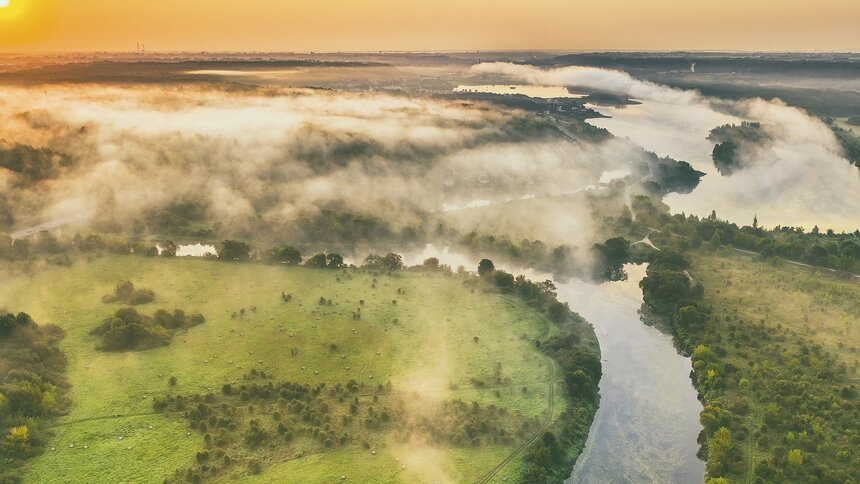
[
  {"x": 695, "y": 240},
  {"x": 233, "y": 250},
  {"x": 668, "y": 260},
  {"x": 285, "y": 255},
  {"x": 689, "y": 316},
  {"x": 615, "y": 251},
  {"x": 794, "y": 458},
  {"x": 719, "y": 449},
  {"x": 664, "y": 290},
  {"x": 431, "y": 264},
  {"x": 318, "y": 260},
  {"x": 716, "y": 241},
  {"x": 168, "y": 249},
  {"x": 392, "y": 262},
  {"x": 503, "y": 280},
  {"x": 334, "y": 261},
  {"x": 372, "y": 262},
  {"x": 486, "y": 266},
  {"x": 8, "y": 322},
  {"x": 557, "y": 311}
]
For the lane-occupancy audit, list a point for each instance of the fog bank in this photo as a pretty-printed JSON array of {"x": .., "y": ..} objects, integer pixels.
[
  {"x": 265, "y": 157},
  {"x": 801, "y": 179}
]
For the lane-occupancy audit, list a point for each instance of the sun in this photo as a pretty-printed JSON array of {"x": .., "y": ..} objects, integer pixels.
[{"x": 4, "y": 3}]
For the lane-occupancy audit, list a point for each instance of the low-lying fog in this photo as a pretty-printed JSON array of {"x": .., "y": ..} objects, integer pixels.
[
  {"x": 801, "y": 179},
  {"x": 253, "y": 156}
]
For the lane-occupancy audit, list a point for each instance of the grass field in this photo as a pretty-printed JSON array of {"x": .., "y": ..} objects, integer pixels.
[
  {"x": 822, "y": 307},
  {"x": 112, "y": 434}
]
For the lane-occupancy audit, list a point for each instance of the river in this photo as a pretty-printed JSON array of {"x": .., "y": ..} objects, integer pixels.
[
  {"x": 647, "y": 426},
  {"x": 648, "y": 421}
]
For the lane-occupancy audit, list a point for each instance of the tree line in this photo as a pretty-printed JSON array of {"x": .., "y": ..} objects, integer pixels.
[
  {"x": 33, "y": 388},
  {"x": 824, "y": 248}
]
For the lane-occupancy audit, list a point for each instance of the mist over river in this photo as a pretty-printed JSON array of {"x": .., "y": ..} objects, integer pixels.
[
  {"x": 797, "y": 177},
  {"x": 800, "y": 181}
]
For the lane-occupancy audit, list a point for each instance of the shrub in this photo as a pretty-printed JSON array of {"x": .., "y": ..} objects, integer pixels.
[
  {"x": 128, "y": 329},
  {"x": 125, "y": 293}
]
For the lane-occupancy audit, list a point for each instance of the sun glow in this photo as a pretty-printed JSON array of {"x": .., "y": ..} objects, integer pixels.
[{"x": 23, "y": 23}]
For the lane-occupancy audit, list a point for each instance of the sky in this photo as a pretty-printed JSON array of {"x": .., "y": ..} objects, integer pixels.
[{"x": 428, "y": 25}]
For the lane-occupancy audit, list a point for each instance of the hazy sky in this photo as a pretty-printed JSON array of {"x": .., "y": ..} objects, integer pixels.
[{"x": 362, "y": 25}]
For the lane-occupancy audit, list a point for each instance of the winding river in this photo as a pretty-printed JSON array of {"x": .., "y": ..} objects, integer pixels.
[
  {"x": 648, "y": 421},
  {"x": 647, "y": 426}
]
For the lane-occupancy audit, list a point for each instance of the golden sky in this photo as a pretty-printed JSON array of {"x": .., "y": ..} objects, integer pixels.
[{"x": 369, "y": 25}]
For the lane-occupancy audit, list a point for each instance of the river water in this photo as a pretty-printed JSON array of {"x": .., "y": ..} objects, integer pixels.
[
  {"x": 547, "y": 92},
  {"x": 648, "y": 421},
  {"x": 647, "y": 425}
]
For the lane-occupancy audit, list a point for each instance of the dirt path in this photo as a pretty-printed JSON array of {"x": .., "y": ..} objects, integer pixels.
[
  {"x": 749, "y": 476},
  {"x": 801, "y": 264},
  {"x": 108, "y": 417},
  {"x": 47, "y": 226},
  {"x": 548, "y": 420},
  {"x": 757, "y": 254}
]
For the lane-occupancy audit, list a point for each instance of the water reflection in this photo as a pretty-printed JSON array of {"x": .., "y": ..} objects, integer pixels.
[
  {"x": 195, "y": 250},
  {"x": 547, "y": 92}
]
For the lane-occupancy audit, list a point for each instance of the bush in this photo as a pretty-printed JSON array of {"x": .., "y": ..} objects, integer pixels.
[
  {"x": 128, "y": 329},
  {"x": 126, "y": 293}
]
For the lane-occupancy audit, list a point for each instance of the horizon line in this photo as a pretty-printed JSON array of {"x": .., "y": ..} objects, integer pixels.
[{"x": 429, "y": 52}]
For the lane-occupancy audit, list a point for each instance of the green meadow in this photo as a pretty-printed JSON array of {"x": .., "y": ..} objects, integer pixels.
[{"x": 430, "y": 336}]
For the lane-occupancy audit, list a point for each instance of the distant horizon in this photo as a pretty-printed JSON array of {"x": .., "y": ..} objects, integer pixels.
[
  {"x": 429, "y": 52},
  {"x": 54, "y": 26}
]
